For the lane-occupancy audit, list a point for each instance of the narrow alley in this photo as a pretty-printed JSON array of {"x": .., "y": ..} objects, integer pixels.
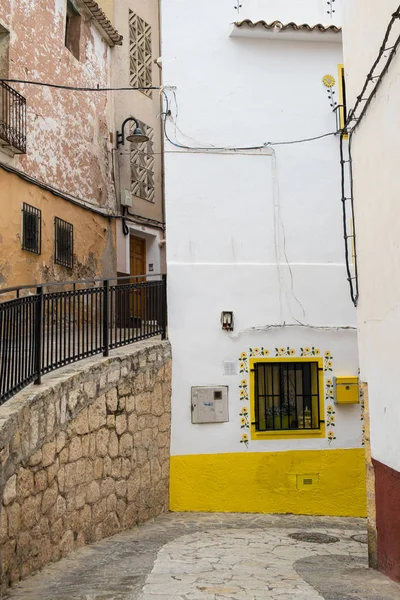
[{"x": 198, "y": 556}]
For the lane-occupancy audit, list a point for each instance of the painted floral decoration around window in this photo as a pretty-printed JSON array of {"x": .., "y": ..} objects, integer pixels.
[{"x": 282, "y": 352}]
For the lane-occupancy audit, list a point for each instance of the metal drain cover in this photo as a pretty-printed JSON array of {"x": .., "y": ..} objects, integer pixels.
[
  {"x": 361, "y": 537},
  {"x": 313, "y": 537}
]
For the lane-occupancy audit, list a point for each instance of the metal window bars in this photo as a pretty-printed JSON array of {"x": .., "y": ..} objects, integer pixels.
[
  {"x": 286, "y": 396},
  {"x": 12, "y": 119},
  {"x": 31, "y": 229},
  {"x": 63, "y": 243},
  {"x": 59, "y": 323}
]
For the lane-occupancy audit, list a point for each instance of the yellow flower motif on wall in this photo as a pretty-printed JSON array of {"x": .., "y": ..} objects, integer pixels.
[
  {"x": 292, "y": 352},
  {"x": 329, "y": 382},
  {"x": 331, "y": 436},
  {"x": 317, "y": 352},
  {"x": 328, "y": 354},
  {"x": 256, "y": 350},
  {"x": 244, "y": 411},
  {"x": 244, "y": 382},
  {"x": 243, "y": 355},
  {"x": 329, "y": 409},
  {"x": 243, "y": 393},
  {"x": 328, "y": 81},
  {"x": 243, "y": 421},
  {"x": 245, "y": 439}
]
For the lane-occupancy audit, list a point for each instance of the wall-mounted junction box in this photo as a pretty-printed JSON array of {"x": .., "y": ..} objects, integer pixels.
[
  {"x": 126, "y": 198},
  {"x": 307, "y": 482},
  {"x": 210, "y": 404},
  {"x": 346, "y": 390}
]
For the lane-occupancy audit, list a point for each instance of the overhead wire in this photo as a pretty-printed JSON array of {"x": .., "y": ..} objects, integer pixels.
[{"x": 79, "y": 89}]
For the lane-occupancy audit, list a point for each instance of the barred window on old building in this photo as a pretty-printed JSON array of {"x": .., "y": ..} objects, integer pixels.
[
  {"x": 63, "y": 243},
  {"x": 140, "y": 53},
  {"x": 31, "y": 228},
  {"x": 142, "y": 166}
]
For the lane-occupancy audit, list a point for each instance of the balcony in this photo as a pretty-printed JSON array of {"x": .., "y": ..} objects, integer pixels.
[{"x": 12, "y": 120}]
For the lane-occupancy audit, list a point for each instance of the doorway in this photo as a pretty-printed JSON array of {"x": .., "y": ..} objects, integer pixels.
[{"x": 137, "y": 254}]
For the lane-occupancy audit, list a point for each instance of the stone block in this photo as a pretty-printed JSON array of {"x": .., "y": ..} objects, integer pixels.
[
  {"x": 121, "y": 488},
  {"x": 147, "y": 436},
  {"x": 139, "y": 383},
  {"x": 93, "y": 492},
  {"x": 112, "y": 400},
  {"x": 8, "y": 556},
  {"x": 14, "y": 519},
  {"x": 92, "y": 445},
  {"x": 116, "y": 468},
  {"x": 66, "y": 544},
  {"x": 81, "y": 422},
  {"x": 111, "y": 503},
  {"x": 40, "y": 481},
  {"x": 85, "y": 439},
  {"x": 165, "y": 423},
  {"x": 10, "y": 490},
  {"x": 70, "y": 476},
  {"x": 145, "y": 477},
  {"x": 80, "y": 496},
  {"x": 126, "y": 445},
  {"x": 73, "y": 400},
  {"x": 56, "y": 531},
  {"x": 50, "y": 419},
  {"x": 99, "y": 511},
  {"x": 81, "y": 474},
  {"x": 113, "y": 445},
  {"x": 52, "y": 471},
  {"x": 133, "y": 486},
  {"x": 120, "y": 424},
  {"x": 132, "y": 423},
  {"x": 75, "y": 449},
  {"x": 126, "y": 467},
  {"x": 25, "y": 483},
  {"x": 143, "y": 403},
  {"x": 98, "y": 468},
  {"x": 35, "y": 458},
  {"x": 48, "y": 453},
  {"x": 155, "y": 470},
  {"x": 125, "y": 387},
  {"x": 61, "y": 440},
  {"x": 141, "y": 456},
  {"x": 130, "y": 517},
  {"x": 4, "y": 524},
  {"x": 111, "y": 525},
  {"x": 111, "y": 421},
  {"x": 157, "y": 402},
  {"x": 130, "y": 404},
  {"x": 102, "y": 443},
  {"x": 120, "y": 508},
  {"x": 90, "y": 389},
  {"x": 114, "y": 376},
  {"x": 107, "y": 466},
  {"x": 49, "y": 497},
  {"x": 89, "y": 471},
  {"x": 107, "y": 487},
  {"x": 30, "y": 511},
  {"x": 97, "y": 414},
  {"x": 63, "y": 456}
]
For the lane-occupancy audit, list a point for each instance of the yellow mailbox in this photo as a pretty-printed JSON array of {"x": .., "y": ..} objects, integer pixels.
[{"x": 346, "y": 390}]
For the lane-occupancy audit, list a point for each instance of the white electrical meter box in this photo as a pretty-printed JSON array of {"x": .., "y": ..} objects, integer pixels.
[
  {"x": 126, "y": 198},
  {"x": 210, "y": 404}
]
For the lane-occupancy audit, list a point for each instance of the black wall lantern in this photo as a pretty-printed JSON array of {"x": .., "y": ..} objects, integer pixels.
[{"x": 137, "y": 137}]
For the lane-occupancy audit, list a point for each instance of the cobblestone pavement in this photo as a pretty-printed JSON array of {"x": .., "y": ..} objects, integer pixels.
[{"x": 218, "y": 556}]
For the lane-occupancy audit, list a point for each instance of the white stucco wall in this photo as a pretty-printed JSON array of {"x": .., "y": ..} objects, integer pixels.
[
  {"x": 259, "y": 233},
  {"x": 376, "y": 147}
]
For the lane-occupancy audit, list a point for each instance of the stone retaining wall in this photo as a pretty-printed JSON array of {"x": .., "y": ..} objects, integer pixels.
[{"x": 83, "y": 456}]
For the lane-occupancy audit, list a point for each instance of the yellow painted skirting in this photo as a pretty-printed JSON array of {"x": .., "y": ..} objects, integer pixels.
[{"x": 268, "y": 483}]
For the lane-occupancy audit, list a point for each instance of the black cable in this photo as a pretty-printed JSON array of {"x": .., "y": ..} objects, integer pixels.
[
  {"x": 79, "y": 201},
  {"x": 344, "y": 213},
  {"x": 78, "y": 89}
]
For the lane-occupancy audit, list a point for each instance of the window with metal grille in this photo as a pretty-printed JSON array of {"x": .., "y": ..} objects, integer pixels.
[
  {"x": 63, "y": 243},
  {"x": 141, "y": 64},
  {"x": 142, "y": 166},
  {"x": 286, "y": 396},
  {"x": 31, "y": 229}
]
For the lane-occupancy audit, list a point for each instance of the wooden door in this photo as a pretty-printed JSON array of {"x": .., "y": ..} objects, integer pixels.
[{"x": 137, "y": 267}]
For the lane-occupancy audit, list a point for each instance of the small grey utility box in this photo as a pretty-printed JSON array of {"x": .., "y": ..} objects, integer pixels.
[{"x": 210, "y": 404}]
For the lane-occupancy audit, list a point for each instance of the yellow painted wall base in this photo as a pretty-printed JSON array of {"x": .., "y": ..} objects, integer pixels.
[{"x": 268, "y": 482}]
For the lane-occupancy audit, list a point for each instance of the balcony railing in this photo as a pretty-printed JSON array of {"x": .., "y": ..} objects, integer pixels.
[
  {"x": 12, "y": 119},
  {"x": 47, "y": 329}
]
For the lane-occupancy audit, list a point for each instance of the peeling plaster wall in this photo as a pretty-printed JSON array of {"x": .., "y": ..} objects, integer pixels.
[
  {"x": 94, "y": 237},
  {"x": 68, "y": 139}
]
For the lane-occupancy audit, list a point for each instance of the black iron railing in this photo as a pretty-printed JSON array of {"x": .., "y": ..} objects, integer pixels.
[
  {"x": 61, "y": 323},
  {"x": 12, "y": 119}
]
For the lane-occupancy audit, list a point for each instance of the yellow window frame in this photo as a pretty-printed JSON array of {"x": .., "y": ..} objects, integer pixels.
[
  {"x": 293, "y": 433},
  {"x": 342, "y": 109}
]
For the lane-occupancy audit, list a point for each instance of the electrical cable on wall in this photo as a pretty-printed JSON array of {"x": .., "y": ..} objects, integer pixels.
[{"x": 79, "y": 89}]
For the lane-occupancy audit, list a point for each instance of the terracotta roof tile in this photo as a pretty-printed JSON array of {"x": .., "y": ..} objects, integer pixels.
[
  {"x": 114, "y": 38},
  {"x": 294, "y": 26}
]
